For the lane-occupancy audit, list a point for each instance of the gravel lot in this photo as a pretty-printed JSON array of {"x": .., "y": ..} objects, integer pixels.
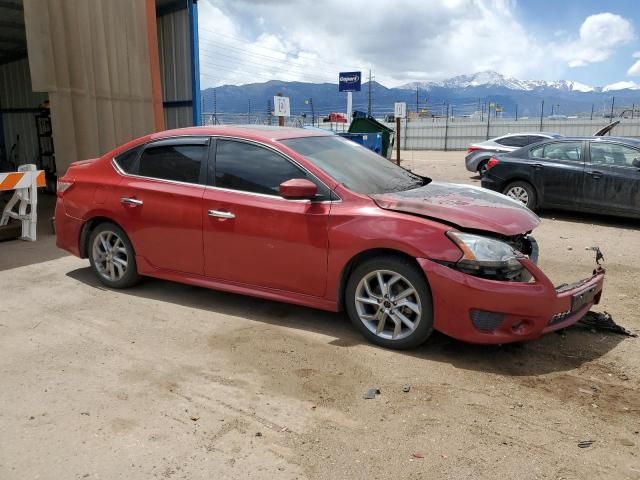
[{"x": 171, "y": 381}]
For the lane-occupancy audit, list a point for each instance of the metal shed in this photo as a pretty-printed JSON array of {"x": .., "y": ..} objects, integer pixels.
[{"x": 102, "y": 72}]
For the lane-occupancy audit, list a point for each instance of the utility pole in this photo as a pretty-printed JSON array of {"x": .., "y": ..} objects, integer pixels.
[
  {"x": 552, "y": 105},
  {"x": 269, "y": 111},
  {"x": 633, "y": 109},
  {"x": 249, "y": 112},
  {"x": 369, "y": 106},
  {"x": 417, "y": 98},
  {"x": 541, "y": 114},
  {"x": 215, "y": 107},
  {"x": 613, "y": 101},
  {"x": 488, "y": 117},
  {"x": 313, "y": 114},
  {"x": 280, "y": 117},
  {"x": 591, "y": 118},
  {"x": 516, "y": 112},
  {"x": 446, "y": 129},
  {"x": 482, "y": 112}
]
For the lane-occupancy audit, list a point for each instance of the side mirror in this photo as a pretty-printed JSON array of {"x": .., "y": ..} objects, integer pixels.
[
  {"x": 636, "y": 162},
  {"x": 298, "y": 189}
]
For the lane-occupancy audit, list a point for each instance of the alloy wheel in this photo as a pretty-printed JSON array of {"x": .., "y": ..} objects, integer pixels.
[
  {"x": 388, "y": 304},
  {"x": 110, "y": 255},
  {"x": 520, "y": 194}
]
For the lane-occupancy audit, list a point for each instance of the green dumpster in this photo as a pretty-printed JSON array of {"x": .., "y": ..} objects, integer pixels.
[{"x": 367, "y": 124}]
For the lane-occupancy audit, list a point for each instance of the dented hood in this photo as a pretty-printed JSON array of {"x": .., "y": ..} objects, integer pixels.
[{"x": 465, "y": 206}]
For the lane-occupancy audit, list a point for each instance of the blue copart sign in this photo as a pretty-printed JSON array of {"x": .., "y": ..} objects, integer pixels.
[{"x": 349, "y": 82}]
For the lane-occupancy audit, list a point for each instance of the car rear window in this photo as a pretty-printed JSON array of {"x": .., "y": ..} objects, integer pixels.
[{"x": 128, "y": 160}]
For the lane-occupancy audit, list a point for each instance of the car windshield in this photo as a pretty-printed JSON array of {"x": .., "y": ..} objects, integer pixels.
[{"x": 358, "y": 168}]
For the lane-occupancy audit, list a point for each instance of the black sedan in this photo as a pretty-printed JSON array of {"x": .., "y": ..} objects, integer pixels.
[{"x": 593, "y": 174}]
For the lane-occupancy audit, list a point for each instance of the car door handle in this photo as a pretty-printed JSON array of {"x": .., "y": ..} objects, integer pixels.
[
  {"x": 538, "y": 166},
  {"x": 595, "y": 174},
  {"x": 134, "y": 202},
  {"x": 221, "y": 214}
]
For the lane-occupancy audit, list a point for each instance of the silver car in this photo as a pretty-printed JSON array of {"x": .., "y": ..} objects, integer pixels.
[{"x": 478, "y": 154}]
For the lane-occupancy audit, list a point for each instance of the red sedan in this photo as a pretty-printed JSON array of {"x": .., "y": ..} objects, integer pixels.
[{"x": 310, "y": 218}]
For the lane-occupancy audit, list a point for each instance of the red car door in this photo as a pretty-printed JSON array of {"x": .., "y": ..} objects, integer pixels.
[
  {"x": 160, "y": 207},
  {"x": 251, "y": 234}
]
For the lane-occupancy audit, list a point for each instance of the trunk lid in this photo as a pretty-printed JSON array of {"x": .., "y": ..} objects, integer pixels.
[{"x": 465, "y": 206}]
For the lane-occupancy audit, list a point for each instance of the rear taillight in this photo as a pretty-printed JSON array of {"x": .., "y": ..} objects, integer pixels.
[
  {"x": 473, "y": 149},
  {"x": 493, "y": 161},
  {"x": 62, "y": 186}
]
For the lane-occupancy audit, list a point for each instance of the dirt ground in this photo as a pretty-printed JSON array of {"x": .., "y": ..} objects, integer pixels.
[{"x": 171, "y": 381}]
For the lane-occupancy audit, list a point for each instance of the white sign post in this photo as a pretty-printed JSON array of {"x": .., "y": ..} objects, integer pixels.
[
  {"x": 400, "y": 111},
  {"x": 281, "y": 106}
]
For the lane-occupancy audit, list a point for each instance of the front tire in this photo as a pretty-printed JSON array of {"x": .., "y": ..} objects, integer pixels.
[
  {"x": 523, "y": 192},
  {"x": 112, "y": 256},
  {"x": 389, "y": 301}
]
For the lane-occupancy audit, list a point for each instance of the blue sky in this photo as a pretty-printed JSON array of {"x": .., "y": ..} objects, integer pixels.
[
  {"x": 245, "y": 41},
  {"x": 551, "y": 18}
]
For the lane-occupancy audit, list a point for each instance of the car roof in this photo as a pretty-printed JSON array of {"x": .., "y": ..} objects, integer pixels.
[
  {"x": 257, "y": 132},
  {"x": 633, "y": 141},
  {"x": 549, "y": 134}
]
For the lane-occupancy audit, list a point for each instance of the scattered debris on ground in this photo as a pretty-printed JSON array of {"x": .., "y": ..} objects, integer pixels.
[
  {"x": 371, "y": 393},
  {"x": 604, "y": 322},
  {"x": 585, "y": 443},
  {"x": 406, "y": 388}
]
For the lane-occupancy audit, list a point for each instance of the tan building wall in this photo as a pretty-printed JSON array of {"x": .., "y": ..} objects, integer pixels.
[{"x": 98, "y": 60}]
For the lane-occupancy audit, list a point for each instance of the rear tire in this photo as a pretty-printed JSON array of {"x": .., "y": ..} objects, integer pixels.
[
  {"x": 482, "y": 168},
  {"x": 523, "y": 192},
  {"x": 388, "y": 300},
  {"x": 112, "y": 256}
]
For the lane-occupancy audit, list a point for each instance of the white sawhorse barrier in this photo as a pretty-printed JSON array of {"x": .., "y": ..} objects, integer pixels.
[{"x": 25, "y": 182}]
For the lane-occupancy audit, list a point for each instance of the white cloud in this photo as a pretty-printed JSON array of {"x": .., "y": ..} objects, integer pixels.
[
  {"x": 634, "y": 70},
  {"x": 599, "y": 36},
  {"x": 245, "y": 41}
]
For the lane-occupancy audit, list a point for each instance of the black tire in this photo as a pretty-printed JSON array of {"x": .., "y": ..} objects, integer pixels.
[
  {"x": 532, "y": 198},
  {"x": 130, "y": 274},
  {"x": 482, "y": 168},
  {"x": 410, "y": 273}
]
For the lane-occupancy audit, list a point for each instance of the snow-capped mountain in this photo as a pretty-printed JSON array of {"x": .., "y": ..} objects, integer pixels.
[
  {"x": 621, "y": 86},
  {"x": 494, "y": 79}
]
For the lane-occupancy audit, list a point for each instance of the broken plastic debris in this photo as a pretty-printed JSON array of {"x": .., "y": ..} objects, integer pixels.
[
  {"x": 406, "y": 388},
  {"x": 604, "y": 322},
  {"x": 585, "y": 443},
  {"x": 371, "y": 393}
]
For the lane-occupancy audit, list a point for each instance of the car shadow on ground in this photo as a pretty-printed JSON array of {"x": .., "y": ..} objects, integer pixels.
[
  {"x": 590, "y": 218},
  {"x": 551, "y": 353}
]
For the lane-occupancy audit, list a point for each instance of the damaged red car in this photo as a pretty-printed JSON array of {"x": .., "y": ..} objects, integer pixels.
[{"x": 310, "y": 218}]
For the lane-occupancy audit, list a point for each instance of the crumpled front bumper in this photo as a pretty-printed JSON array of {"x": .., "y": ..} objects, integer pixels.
[{"x": 478, "y": 310}]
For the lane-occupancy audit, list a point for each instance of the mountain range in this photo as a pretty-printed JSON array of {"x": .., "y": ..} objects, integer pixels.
[{"x": 465, "y": 95}]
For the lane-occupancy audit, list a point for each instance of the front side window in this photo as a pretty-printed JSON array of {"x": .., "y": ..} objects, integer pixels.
[
  {"x": 179, "y": 163},
  {"x": 252, "y": 168},
  {"x": 571, "y": 151},
  {"x": 613, "y": 154}
]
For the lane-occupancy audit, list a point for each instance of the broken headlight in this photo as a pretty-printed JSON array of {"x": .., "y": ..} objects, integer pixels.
[{"x": 486, "y": 257}]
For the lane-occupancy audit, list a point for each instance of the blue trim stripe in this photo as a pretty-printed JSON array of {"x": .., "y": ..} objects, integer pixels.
[{"x": 195, "y": 63}]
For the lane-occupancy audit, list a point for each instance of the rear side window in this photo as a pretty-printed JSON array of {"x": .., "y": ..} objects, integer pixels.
[
  {"x": 571, "y": 151},
  {"x": 181, "y": 163},
  {"x": 514, "y": 141},
  {"x": 535, "y": 138},
  {"x": 251, "y": 168},
  {"x": 127, "y": 161}
]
